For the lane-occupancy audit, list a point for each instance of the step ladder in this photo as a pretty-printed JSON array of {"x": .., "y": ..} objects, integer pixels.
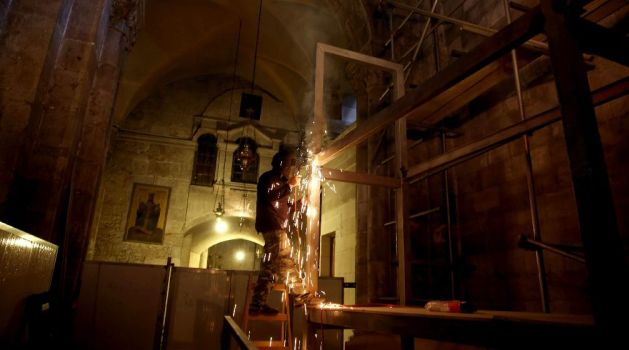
[{"x": 283, "y": 317}]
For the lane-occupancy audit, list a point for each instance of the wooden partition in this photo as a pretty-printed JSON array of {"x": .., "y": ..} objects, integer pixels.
[{"x": 26, "y": 268}]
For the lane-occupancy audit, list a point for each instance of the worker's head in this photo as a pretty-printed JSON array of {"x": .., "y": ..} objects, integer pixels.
[{"x": 284, "y": 161}]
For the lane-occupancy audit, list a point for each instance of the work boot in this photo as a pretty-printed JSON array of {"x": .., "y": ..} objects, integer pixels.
[{"x": 262, "y": 309}]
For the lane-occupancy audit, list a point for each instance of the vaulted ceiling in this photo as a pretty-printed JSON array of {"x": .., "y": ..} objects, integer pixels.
[{"x": 187, "y": 38}]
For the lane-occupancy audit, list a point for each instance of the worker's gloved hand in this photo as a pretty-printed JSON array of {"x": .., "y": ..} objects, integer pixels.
[
  {"x": 309, "y": 299},
  {"x": 294, "y": 181}
]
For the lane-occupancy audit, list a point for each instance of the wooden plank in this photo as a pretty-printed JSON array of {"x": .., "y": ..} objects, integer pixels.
[
  {"x": 598, "y": 40},
  {"x": 452, "y": 94},
  {"x": 271, "y": 345},
  {"x": 360, "y": 57},
  {"x": 231, "y": 327},
  {"x": 599, "y": 10},
  {"x": 469, "y": 26},
  {"x": 463, "y": 93},
  {"x": 494, "y": 329},
  {"x": 474, "y": 149},
  {"x": 461, "y": 154},
  {"x": 511, "y": 36},
  {"x": 598, "y": 226},
  {"x": 331, "y": 174}
]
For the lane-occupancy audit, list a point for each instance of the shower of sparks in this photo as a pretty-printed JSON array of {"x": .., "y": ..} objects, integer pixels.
[
  {"x": 304, "y": 215},
  {"x": 331, "y": 306}
]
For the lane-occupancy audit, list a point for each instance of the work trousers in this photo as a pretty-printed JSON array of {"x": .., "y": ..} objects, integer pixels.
[{"x": 278, "y": 266}]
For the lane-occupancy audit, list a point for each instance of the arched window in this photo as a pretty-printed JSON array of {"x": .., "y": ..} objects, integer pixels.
[
  {"x": 245, "y": 161},
  {"x": 205, "y": 161}
]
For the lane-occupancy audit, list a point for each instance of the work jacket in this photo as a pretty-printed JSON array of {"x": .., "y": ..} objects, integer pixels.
[{"x": 272, "y": 203}]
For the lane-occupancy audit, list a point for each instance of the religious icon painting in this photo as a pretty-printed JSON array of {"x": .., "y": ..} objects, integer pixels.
[{"x": 146, "y": 220}]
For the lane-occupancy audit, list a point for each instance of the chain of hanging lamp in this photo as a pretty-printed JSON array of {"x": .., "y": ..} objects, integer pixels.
[
  {"x": 246, "y": 155},
  {"x": 220, "y": 198}
]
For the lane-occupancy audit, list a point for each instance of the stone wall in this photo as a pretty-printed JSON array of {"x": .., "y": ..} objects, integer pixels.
[
  {"x": 235, "y": 255},
  {"x": 491, "y": 199},
  {"x": 156, "y": 145},
  {"x": 27, "y": 30},
  {"x": 338, "y": 216},
  {"x": 489, "y": 194}
]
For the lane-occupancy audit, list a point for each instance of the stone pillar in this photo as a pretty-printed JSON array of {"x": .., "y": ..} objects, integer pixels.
[
  {"x": 28, "y": 39},
  {"x": 89, "y": 163},
  {"x": 38, "y": 195}
]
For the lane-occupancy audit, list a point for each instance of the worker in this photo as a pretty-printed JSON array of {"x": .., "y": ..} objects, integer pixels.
[{"x": 272, "y": 213}]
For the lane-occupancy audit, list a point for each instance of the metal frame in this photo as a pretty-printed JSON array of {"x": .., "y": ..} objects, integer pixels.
[{"x": 399, "y": 183}]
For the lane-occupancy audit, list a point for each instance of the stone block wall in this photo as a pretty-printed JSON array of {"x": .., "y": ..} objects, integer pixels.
[
  {"x": 338, "y": 216},
  {"x": 142, "y": 161},
  {"x": 27, "y": 29},
  {"x": 492, "y": 208},
  {"x": 156, "y": 145},
  {"x": 489, "y": 194},
  {"x": 235, "y": 255}
]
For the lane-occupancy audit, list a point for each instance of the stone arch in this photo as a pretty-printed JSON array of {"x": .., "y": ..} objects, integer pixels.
[{"x": 202, "y": 235}]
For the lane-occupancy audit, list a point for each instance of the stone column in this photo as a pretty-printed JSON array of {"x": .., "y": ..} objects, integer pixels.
[
  {"x": 89, "y": 162},
  {"x": 37, "y": 200},
  {"x": 29, "y": 37}
]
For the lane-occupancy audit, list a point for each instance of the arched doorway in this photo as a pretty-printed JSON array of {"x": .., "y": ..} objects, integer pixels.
[{"x": 213, "y": 232}]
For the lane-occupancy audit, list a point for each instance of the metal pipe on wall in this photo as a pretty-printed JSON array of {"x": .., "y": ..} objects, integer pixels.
[
  {"x": 160, "y": 336},
  {"x": 530, "y": 181},
  {"x": 421, "y": 41},
  {"x": 392, "y": 33},
  {"x": 446, "y": 185},
  {"x": 399, "y": 27},
  {"x": 468, "y": 26},
  {"x": 446, "y": 190},
  {"x": 528, "y": 243}
]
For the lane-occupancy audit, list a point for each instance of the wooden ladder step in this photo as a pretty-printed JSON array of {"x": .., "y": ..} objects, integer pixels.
[
  {"x": 265, "y": 344},
  {"x": 260, "y": 317}
]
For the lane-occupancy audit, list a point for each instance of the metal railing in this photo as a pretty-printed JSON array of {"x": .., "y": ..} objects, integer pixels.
[{"x": 232, "y": 330}]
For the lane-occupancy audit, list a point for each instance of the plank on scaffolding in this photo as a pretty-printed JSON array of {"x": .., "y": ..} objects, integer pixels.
[
  {"x": 460, "y": 95},
  {"x": 601, "y": 9},
  {"x": 502, "y": 329},
  {"x": 359, "y": 178},
  {"x": 360, "y": 57},
  {"x": 612, "y": 91},
  {"x": 486, "y": 52},
  {"x": 598, "y": 40}
]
